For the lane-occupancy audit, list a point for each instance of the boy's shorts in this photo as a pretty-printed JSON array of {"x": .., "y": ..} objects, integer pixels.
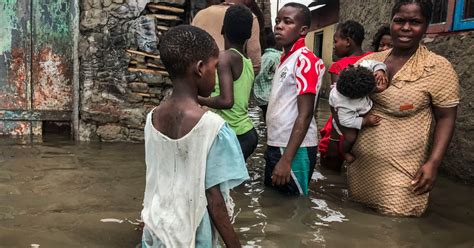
[
  {"x": 248, "y": 142},
  {"x": 302, "y": 168}
]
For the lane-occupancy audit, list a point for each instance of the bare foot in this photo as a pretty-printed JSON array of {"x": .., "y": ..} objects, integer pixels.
[{"x": 349, "y": 158}]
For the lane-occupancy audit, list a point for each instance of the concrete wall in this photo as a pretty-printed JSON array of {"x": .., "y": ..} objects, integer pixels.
[{"x": 458, "y": 49}]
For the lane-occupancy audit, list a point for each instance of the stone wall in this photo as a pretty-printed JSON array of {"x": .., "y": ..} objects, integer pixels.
[
  {"x": 457, "y": 48},
  {"x": 118, "y": 87},
  {"x": 121, "y": 76},
  {"x": 265, "y": 6}
]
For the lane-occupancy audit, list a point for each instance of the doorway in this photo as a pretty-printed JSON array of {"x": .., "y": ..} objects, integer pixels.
[{"x": 36, "y": 64}]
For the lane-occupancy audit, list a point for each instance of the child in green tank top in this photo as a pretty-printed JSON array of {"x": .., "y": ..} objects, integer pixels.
[{"x": 235, "y": 75}]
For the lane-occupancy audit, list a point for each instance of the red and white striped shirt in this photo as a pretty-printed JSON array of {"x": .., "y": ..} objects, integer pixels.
[{"x": 300, "y": 72}]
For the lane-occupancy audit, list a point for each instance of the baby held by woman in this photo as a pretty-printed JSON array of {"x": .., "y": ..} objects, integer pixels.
[{"x": 350, "y": 101}]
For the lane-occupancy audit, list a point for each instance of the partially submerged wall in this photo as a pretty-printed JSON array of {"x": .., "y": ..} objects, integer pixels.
[
  {"x": 458, "y": 49},
  {"x": 121, "y": 77}
]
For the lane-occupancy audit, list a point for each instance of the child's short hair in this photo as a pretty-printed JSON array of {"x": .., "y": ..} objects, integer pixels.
[
  {"x": 237, "y": 25},
  {"x": 184, "y": 45},
  {"x": 303, "y": 11},
  {"x": 356, "y": 82},
  {"x": 383, "y": 30},
  {"x": 352, "y": 29}
]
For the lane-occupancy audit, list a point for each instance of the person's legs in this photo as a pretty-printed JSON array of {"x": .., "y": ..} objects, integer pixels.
[
  {"x": 248, "y": 142},
  {"x": 264, "y": 111},
  {"x": 350, "y": 136},
  {"x": 302, "y": 168},
  {"x": 312, "y": 152},
  {"x": 329, "y": 147},
  {"x": 272, "y": 156}
]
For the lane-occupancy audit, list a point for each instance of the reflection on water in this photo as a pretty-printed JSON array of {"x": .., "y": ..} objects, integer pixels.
[
  {"x": 328, "y": 215},
  {"x": 327, "y": 218}
]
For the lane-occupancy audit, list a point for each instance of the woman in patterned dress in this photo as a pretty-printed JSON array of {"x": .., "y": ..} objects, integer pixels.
[{"x": 397, "y": 161}]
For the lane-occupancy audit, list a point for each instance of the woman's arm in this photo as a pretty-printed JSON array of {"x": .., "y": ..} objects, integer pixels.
[
  {"x": 444, "y": 129},
  {"x": 220, "y": 218},
  {"x": 225, "y": 100}
]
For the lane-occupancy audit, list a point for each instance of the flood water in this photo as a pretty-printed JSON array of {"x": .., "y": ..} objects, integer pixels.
[{"x": 56, "y": 193}]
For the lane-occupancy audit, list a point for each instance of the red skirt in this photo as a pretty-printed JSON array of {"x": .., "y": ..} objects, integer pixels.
[{"x": 325, "y": 132}]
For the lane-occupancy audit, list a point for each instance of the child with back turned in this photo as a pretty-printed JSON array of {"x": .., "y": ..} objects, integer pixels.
[
  {"x": 192, "y": 156},
  {"x": 350, "y": 102},
  {"x": 235, "y": 73}
]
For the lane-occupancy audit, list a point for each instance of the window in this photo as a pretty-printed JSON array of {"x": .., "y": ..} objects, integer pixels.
[
  {"x": 468, "y": 9},
  {"x": 440, "y": 11},
  {"x": 464, "y": 15},
  {"x": 442, "y": 18},
  {"x": 318, "y": 44}
]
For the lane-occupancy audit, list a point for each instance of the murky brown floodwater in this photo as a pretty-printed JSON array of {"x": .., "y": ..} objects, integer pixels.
[{"x": 55, "y": 193}]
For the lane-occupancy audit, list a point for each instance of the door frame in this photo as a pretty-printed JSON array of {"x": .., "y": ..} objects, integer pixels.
[{"x": 75, "y": 122}]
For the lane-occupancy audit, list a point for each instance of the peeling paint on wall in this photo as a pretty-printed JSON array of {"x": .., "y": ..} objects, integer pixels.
[
  {"x": 13, "y": 60},
  {"x": 52, "y": 55},
  {"x": 7, "y": 19},
  {"x": 13, "y": 86},
  {"x": 52, "y": 87},
  {"x": 14, "y": 128},
  {"x": 52, "y": 23}
]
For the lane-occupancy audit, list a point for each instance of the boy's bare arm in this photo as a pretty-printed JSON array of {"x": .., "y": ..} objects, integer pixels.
[
  {"x": 225, "y": 99},
  {"x": 281, "y": 173},
  {"x": 219, "y": 216}
]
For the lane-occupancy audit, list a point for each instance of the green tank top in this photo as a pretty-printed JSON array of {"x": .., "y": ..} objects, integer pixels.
[{"x": 237, "y": 116}]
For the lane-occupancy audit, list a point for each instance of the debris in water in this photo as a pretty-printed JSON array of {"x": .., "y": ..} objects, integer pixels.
[
  {"x": 111, "y": 220},
  {"x": 136, "y": 223}
]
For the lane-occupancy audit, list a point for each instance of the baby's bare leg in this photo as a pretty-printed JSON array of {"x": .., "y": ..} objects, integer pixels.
[{"x": 350, "y": 136}]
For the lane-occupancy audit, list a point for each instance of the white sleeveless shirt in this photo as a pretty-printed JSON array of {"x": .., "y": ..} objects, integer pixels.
[{"x": 175, "y": 200}]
